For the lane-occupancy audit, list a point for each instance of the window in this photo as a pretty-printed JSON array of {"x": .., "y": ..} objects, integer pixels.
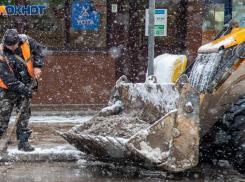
[
  {"x": 53, "y": 28},
  {"x": 174, "y": 22},
  {"x": 48, "y": 29},
  {"x": 238, "y": 9},
  {"x": 213, "y": 17}
]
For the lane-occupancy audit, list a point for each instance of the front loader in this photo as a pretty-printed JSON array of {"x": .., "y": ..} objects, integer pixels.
[{"x": 170, "y": 127}]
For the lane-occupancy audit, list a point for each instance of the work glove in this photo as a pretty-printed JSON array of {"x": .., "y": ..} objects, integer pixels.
[
  {"x": 34, "y": 84},
  {"x": 27, "y": 93}
]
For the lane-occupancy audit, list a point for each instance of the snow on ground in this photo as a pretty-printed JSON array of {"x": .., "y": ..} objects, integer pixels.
[
  {"x": 65, "y": 149},
  {"x": 56, "y": 119},
  {"x": 54, "y": 150}
]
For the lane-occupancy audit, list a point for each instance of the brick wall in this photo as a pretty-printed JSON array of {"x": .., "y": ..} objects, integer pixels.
[
  {"x": 194, "y": 28},
  {"x": 75, "y": 80}
]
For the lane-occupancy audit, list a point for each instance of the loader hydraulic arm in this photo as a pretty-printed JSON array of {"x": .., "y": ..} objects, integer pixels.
[{"x": 227, "y": 69}]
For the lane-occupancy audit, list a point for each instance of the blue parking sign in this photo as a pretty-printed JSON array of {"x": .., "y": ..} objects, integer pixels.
[{"x": 82, "y": 17}]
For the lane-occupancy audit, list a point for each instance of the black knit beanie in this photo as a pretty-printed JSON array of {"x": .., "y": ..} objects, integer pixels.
[{"x": 11, "y": 37}]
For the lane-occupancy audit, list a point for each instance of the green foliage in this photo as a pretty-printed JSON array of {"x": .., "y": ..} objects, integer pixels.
[{"x": 7, "y": 2}]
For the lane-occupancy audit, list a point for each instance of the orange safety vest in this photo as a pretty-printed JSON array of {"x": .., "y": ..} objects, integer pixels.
[{"x": 27, "y": 57}]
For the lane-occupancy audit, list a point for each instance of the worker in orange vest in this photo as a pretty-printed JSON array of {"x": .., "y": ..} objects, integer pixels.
[{"x": 21, "y": 60}]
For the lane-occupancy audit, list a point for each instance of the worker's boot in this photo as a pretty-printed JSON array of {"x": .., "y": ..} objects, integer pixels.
[
  {"x": 23, "y": 141},
  {"x": 25, "y": 146},
  {"x": 1, "y": 135}
]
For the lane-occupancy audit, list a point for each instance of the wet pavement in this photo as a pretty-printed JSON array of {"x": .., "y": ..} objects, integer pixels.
[
  {"x": 88, "y": 171},
  {"x": 55, "y": 160},
  {"x": 49, "y": 145}
]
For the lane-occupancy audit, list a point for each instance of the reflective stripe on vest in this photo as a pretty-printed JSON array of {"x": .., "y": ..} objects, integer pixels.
[{"x": 27, "y": 56}]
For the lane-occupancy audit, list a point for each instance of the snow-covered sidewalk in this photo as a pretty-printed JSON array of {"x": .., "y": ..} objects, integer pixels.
[
  {"x": 56, "y": 119},
  {"x": 49, "y": 145}
]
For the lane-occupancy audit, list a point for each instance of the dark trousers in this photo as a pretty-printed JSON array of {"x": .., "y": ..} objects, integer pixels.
[{"x": 7, "y": 101}]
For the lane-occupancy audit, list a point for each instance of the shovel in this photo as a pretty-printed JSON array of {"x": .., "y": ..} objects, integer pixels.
[{"x": 8, "y": 141}]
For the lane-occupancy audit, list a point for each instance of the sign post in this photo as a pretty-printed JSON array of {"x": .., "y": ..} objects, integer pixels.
[{"x": 151, "y": 38}]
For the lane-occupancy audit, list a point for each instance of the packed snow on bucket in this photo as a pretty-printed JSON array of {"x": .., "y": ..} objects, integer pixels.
[{"x": 168, "y": 67}]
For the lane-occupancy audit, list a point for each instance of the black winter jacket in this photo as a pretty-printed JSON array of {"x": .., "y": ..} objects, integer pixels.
[{"x": 18, "y": 81}]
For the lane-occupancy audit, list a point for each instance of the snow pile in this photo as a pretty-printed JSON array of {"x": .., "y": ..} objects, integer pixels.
[
  {"x": 112, "y": 109},
  {"x": 203, "y": 70},
  {"x": 164, "y": 66},
  {"x": 215, "y": 46},
  {"x": 56, "y": 119},
  {"x": 123, "y": 126},
  {"x": 134, "y": 108},
  {"x": 58, "y": 150},
  {"x": 82, "y": 161},
  {"x": 162, "y": 96},
  {"x": 155, "y": 155},
  {"x": 152, "y": 154}
]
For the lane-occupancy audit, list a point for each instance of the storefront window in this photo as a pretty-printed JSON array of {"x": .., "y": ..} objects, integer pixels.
[
  {"x": 172, "y": 8},
  {"x": 213, "y": 17},
  {"x": 48, "y": 29},
  {"x": 90, "y": 37},
  {"x": 213, "y": 20},
  {"x": 54, "y": 29},
  {"x": 238, "y": 10},
  {"x": 173, "y": 22}
]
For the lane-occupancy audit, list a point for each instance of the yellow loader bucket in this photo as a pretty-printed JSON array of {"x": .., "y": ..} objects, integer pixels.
[
  {"x": 136, "y": 128},
  {"x": 172, "y": 143}
]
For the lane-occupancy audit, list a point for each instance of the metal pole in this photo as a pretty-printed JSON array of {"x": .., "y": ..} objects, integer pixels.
[{"x": 151, "y": 37}]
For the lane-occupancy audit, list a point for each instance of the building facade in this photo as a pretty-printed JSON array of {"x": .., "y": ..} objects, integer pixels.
[{"x": 83, "y": 62}]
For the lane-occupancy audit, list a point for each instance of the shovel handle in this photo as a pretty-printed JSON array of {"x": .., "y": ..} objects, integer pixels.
[{"x": 12, "y": 129}]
